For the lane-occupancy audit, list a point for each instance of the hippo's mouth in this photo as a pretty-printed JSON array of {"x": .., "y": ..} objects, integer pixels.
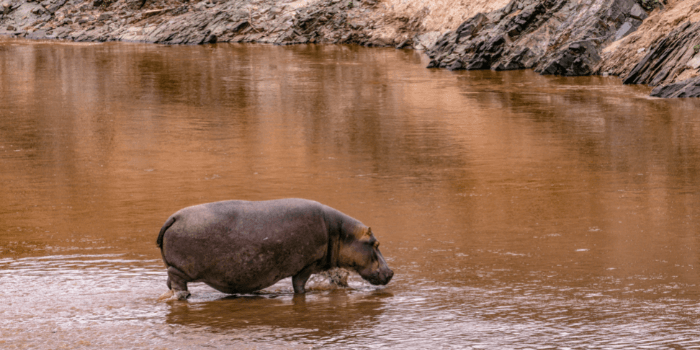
[{"x": 379, "y": 277}]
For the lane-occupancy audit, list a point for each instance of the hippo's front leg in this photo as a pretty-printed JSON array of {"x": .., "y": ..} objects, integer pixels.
[{"x": 299, "y": 280}]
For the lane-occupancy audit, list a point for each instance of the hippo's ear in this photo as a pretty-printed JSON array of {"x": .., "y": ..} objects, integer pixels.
[{"x": 364, "y": 232}]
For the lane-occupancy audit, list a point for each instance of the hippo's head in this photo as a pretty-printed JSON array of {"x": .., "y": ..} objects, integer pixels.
[{"x": 359, "y": 251}]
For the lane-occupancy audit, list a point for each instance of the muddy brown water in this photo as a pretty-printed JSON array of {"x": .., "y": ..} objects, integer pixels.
[{"x": 518, "y": 211}]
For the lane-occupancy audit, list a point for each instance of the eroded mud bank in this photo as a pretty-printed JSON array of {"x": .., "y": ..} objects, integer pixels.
[{"x": 642, "y": 41}]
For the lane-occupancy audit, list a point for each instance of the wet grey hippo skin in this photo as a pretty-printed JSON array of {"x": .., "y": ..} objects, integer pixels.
[{"x": 241, "y": 246}]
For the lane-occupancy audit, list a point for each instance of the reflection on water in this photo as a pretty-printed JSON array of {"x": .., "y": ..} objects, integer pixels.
[
  {"x": 337, "y": 311},
  {"x": 518, "y": 211}
]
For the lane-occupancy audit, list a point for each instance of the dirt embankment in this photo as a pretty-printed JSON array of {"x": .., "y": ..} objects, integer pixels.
[{"x": 643, "y": 41}]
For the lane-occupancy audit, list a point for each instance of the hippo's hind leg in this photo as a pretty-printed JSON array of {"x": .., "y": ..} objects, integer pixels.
[{"x": 177, "y": 283}]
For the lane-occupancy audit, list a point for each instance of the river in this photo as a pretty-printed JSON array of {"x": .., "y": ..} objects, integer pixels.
[{"x": 517, "y": 211}]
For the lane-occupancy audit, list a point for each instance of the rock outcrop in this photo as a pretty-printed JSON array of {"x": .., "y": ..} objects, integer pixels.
[
  {"x": 572, "y": 38},
  {"x": 674, "y": 54},
  {"x": 686, "y": 88},
  {"x": 175, "y": 22},
  {"x": 561, "y": 37},
  {"x": 664, "y": 52}
]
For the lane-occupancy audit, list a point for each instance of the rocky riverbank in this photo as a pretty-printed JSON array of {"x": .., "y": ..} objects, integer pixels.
[
  {"x": 642, "y": 41},
  {"x": 365, "y": 22}
]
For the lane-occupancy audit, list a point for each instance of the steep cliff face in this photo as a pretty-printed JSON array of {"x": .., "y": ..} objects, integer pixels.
[{"x": 643, "y": 41}]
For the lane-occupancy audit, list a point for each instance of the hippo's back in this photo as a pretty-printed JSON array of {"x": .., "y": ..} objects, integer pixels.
[{"x": 242, "y": 218}]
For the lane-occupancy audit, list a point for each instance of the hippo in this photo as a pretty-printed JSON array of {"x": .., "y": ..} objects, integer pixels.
[{"x": 244, "y": 246}]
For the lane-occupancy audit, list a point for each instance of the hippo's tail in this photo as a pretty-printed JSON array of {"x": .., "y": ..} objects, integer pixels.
[{"x": 166, "y": 226}]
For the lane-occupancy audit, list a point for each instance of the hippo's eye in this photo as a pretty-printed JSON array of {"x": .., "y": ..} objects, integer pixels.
[{"x": 372, "y": 243}]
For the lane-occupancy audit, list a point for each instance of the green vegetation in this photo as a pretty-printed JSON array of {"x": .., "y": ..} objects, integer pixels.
[
  {"x": 650, "y": 4},
  {"x": 696, "y": 48}
]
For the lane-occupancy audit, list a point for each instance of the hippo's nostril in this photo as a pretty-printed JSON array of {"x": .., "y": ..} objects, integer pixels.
[{"x": 389, "y": 275}]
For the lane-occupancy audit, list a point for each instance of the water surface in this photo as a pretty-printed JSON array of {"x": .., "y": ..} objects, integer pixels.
[{"x": 517, "y": 211}]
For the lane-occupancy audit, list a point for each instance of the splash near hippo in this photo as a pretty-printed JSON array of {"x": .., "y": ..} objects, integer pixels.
[{"x": 242, "y": 246}]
